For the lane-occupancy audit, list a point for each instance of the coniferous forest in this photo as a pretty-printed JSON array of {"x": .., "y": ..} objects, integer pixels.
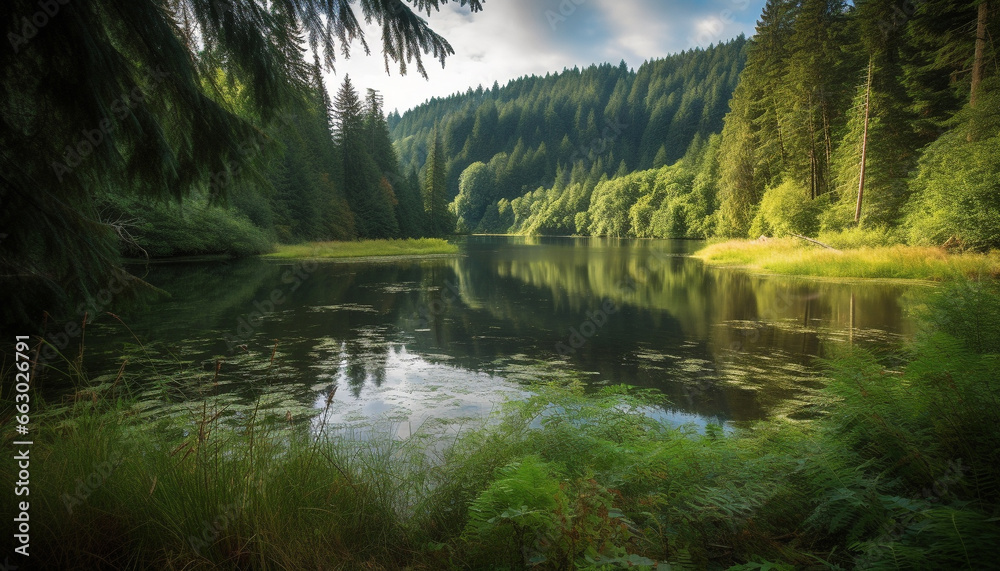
[
  {"x": 747, "y": 138},
  {"x": 728, "y": 307}
]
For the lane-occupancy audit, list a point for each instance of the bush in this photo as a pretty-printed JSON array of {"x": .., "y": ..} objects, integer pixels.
[
  {"x": 911, "y": 462},
  {"x": 957, "y": 187},
  {"x": 191, "y": 228},
  {"x": 787, "y": 209},
  {"x": 861, "y": 238}
]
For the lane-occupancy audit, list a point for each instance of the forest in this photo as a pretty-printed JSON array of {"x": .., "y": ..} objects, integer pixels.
[
  {"x": 253, "y": 322},
  {"x": 878, "y": 118},
  {"x": 149, "y": 144},
  {"x": 873, "y": 120},
  {"x": 568, "y": 129}
]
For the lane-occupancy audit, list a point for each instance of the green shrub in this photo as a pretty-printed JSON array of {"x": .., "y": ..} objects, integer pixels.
[
  {"x": 910, "y": 470},
  {"x": 957, "y": 186},
  {"x": 191, "y": 228},
  {"x": 786, "y": 209},
  {"x": 855, "y": 237}
]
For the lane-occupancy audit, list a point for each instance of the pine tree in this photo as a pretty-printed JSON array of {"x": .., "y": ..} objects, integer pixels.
[
  {"x": 752, "y": 152},
  {"x": 439, "y": 221},
  {"x": 213, "y": 76},
  {"x": 368, "y": 192}
]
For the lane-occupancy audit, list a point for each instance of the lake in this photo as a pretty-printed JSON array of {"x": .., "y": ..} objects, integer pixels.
[{"x": 441, "y": 341}]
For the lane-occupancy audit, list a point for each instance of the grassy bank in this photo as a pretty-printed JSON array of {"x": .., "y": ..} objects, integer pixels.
[
  {"x": 901, "y": 471},
  {"x": 793, "y": 256},
  {"x": 366, "y": 248}
]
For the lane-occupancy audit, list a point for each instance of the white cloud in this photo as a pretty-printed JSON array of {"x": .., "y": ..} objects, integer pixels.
[
  {"x": 638, "y": 33},
  {"x": 511, "y": 38}
]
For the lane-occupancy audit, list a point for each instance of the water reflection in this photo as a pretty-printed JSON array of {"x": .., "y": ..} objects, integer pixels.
[{"x": 448, "y": 337}]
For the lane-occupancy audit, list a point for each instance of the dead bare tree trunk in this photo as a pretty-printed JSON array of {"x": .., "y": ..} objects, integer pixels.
[{"x": 864, "y": 141}]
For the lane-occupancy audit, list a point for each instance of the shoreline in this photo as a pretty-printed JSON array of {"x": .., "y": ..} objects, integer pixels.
[
  {"x": 790, "y": 257},
  {"x": 364, "y": 249}
]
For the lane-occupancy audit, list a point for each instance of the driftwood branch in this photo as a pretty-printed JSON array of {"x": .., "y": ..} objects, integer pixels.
[{"x": 816, "y": 242}]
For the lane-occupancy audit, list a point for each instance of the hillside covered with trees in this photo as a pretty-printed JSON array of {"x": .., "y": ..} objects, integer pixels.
[
  {"x": 873, "y": 117},
  {"x": 575, "y": 126}
]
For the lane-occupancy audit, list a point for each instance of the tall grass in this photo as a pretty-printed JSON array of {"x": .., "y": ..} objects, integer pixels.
[
  {"x": 366, "y": 248},
  {"x": 901, "y": 471},
  {"x": 792, "y": 256}
]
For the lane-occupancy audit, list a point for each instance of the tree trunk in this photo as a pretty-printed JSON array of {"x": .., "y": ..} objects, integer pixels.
[
  {"x": 813, "y": 166},
  {"x": 977, "y": 65},
  {"x": 864, "y": 142},
  {"x": 827, "y": 140}
]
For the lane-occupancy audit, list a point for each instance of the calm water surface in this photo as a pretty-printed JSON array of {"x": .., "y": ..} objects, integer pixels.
[{"x": 415, "y": 343}]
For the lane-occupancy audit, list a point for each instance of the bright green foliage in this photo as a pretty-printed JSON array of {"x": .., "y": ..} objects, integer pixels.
[
  {"x": 675, "y": 201},
  {"x": 870, "y": 259},
  {"x": 786, "y": 209},
  {"x": 534, "y": 128},
  {"x": 958, "y": 183},
  {"x": 611, "y": 201},
  {"x": 798, "y": 116},
  {"x": 366, "y": 248},
  {"x": 475, "y": 189}
]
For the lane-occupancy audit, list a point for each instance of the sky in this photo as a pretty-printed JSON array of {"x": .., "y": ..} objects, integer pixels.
[{"x": 511, "y": 38}]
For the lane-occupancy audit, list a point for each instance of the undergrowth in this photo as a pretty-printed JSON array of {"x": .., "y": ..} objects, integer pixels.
[{"x": 900, "y": 471}]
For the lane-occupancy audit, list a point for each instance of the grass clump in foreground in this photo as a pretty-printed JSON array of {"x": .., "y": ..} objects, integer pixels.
[
  {"x": 366, "y": 248},
  {"x": 793, "y": 256},
  {"x": 901, "y": 472}
]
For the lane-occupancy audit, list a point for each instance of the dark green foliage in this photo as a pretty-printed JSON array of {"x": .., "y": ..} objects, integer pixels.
[
  {"x": 530, "y": 130},
  {"x": 306, "y": 202},
  {"x": 412, "y": 219},
  {"x": 438, "y": 218},
  {"x": 194, "y": 228},
  {"x": 368, "y": 191},
  {"x": 156, "y": 100},
  {"x": 910, "y": 473}
]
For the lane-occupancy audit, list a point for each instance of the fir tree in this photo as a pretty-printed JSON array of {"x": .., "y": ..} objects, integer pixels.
[{"x": 439, "y": 220}]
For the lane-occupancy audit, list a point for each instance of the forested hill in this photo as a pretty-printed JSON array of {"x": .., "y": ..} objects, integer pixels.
[{"x": 604, "y": 119}]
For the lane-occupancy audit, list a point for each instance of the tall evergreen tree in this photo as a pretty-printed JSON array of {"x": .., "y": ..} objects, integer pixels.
[
  {"x": 890, "y": 149},
  {"x": 67, "y": 134},
  {"x": 368, "y": 191},
  {"x": 439, "y": 220}
]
